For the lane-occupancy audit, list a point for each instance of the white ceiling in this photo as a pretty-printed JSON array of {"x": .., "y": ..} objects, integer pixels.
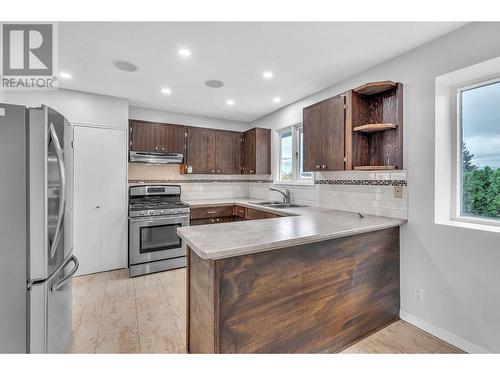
[{"x": 304, "y": 57}]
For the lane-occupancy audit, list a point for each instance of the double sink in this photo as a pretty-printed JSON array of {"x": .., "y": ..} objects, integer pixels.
[{"x": 274, "y": 204}]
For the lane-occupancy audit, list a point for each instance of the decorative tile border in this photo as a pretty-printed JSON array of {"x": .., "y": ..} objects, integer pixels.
[
  {"x": 232, "y": 181},
  {"x": 362, "y": 182},
  {"x": 197, "y": 181}
]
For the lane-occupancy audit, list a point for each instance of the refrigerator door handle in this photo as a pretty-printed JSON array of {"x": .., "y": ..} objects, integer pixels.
[
  {"x": 62, "y": 195},
  {"x": 66, "y": 278}
]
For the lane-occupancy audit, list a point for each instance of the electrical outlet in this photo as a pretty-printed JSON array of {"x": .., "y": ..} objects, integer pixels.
[
  {"x": 398, "y": 192},
  {"x": 418, "y": 294}
]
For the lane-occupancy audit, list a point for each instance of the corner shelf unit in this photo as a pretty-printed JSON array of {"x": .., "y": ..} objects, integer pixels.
[{"x": 377, "y": 126}]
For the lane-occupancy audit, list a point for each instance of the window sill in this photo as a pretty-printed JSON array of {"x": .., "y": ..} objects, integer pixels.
[
  {"x": 295, "y": 183},
  {"x": 462, "y": 223}
]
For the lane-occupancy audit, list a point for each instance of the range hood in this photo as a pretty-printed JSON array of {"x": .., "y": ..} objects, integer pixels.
[{"x": 155, "y": 157}]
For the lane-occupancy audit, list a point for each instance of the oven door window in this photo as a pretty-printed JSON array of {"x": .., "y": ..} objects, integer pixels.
[{"x": 159, "y": 238}]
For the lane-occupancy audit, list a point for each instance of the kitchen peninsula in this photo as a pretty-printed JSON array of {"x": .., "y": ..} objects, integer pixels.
[{"x": 312, "y": 280}]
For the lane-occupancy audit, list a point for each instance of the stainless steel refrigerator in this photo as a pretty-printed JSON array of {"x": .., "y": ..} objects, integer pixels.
[{"x": 36, "y": 230}]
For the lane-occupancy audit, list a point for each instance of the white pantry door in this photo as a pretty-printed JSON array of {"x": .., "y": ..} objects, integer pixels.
[
  {"x": 114, "y": 244},
  {"x": 87, "y": 199},
  {"x": 100, "y": 199}
]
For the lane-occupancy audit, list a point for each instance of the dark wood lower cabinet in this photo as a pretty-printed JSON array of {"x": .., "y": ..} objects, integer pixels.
[
  {"x": 319, "y": 297},
  {"x": 226, "y": 214},
  {"x": 253, "y": 214},
  {"x": 215, "y": 220}
]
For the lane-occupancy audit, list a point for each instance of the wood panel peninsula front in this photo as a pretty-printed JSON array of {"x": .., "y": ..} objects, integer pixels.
[{"x": 314, "y": 280}]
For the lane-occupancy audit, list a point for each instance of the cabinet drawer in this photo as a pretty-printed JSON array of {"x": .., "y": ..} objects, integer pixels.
[
  {"x": 240, "y": 211},
  {"x": 257, "y": 214},
  {"x": 211, "y": 212},
  {"x": 214, "y": 220}
]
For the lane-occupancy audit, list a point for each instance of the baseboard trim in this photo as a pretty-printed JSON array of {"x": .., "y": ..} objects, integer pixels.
[{"x": 440, "y": 333}]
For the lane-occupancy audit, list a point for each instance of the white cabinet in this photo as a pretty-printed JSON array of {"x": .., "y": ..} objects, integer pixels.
[{"x": 100, "y": 198}]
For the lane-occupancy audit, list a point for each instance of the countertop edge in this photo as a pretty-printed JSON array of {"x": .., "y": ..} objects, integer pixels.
[{"x": 245, "y": 250}]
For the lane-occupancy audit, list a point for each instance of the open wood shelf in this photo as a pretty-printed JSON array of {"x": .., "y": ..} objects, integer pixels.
[
  {"x": 374, "y": 167},
  {"x": 377, "y": 126},
  {"x": 372, "y": 88},
  {"x": 372, "y": 128}
]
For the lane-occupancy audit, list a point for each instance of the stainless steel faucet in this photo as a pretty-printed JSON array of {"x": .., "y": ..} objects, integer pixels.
[{"x": 286, "y": 194}]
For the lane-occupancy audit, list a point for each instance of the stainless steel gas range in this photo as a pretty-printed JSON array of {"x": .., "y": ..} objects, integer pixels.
[{"x": 155, "y": 213}]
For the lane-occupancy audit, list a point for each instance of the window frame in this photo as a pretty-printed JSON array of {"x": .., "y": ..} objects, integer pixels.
[
  {"x": 457, "y": 173},
  {"x": 296, "y": 179}
]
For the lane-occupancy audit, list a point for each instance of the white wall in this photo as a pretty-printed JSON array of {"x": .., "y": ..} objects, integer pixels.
[
  {"x": 140, "y": 113},
  {"x": 78, "y": 107},
  {"x": 458, "y": 269},
  {"x": 2, "y": 96}
]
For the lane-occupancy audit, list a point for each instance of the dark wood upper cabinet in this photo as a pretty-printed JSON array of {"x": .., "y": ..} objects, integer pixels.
[
  {"x": 228, "y": 152},
  {"x": 141, "y": 136},
  {"x": 361, "y": 129},
  {"x": 333, "y": 124},
  {"x": 248, "y": 152},
  {"x": 256, "y": 151},
  {"x": 156, "y": 137},
  {"x": 174, "y": 138},
  {"x": 213, "y": 151},
  {"x": 201, "y": 150},
  {"x": 312, "y": 137},
  {"x": 324, "y": 133}
]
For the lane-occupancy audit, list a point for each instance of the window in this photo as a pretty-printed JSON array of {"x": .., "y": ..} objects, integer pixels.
[
  {"x": 478, "y": 159},
  {"x": 291, "y": 156}
]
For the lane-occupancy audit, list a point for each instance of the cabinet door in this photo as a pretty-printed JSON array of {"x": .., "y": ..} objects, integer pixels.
[
  {"x": 173, "y": 138},
  {"x": 141, "y": 136},
  {"x": 262, "y": 157},
  {"x": 87, "y": 199},
  {"x": 228, "y": 152},
  {"x": 312, "y": 117},
  {"x": 248, "y": 151},
  {"x": 201, "y": 150},
  {"x": 332, "y": 134},
  {"x": 113, "y": 209},
  {"x": 157, "y": 137}
]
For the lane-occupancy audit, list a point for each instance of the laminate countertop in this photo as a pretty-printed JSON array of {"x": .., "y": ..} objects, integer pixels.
[{"x": 301, "y": 225}]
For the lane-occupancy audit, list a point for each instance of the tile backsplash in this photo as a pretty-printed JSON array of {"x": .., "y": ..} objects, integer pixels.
[
  {"x": 365, "y": 192},
  {"x": 193, "y": 186}
]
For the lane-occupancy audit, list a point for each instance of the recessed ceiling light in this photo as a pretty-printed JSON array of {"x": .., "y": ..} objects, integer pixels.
[
  {"x": 166, "y": 91},
  {"x": 125, "y": 65},
  {"x": 184, "y": 52},
  {"x": 214, "y": 83},
  {"x": 230, "y": 102},
  {"x": 276, "y": 100},
  {"x": 65, "y": 75},
  {"x": 267, "y": 75}
]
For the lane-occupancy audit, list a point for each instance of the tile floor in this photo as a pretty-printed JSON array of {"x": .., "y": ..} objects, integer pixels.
[{"x": 115, "y": 314}]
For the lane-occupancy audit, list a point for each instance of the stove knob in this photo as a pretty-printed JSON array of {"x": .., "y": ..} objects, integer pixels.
[
  {"x": 141, "y": 213},
  {"x": 162, "y": 212},
  {"x": 151, "y": 212}
]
